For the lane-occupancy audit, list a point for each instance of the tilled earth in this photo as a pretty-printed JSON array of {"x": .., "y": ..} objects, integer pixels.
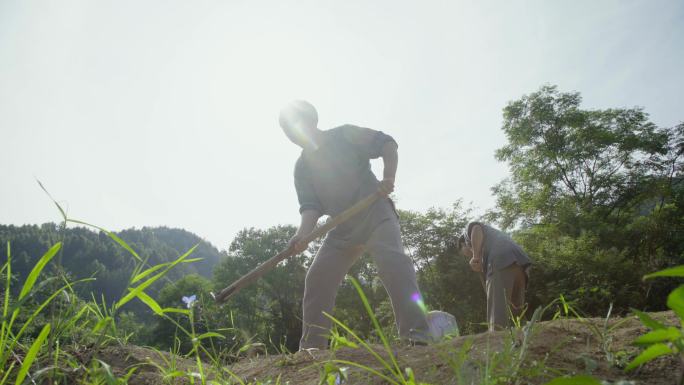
[{"x": 566, "y": 346}]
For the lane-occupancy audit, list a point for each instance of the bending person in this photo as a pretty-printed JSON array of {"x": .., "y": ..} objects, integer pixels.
[{"x": 503, "y": 265}]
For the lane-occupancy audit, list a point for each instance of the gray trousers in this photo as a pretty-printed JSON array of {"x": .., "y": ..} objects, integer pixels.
[
  {"x": 331, "y": 265},
  {"x": 505, "y": 295}
]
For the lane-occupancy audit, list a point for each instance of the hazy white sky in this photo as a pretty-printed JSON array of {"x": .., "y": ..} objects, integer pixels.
[{"x": 137, "y": 113}]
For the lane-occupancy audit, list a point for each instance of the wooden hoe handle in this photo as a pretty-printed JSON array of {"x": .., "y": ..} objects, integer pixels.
[{"x": 262, "y": 269}]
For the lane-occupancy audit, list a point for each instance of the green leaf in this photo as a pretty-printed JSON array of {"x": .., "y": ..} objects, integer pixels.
[
  {"x": 123, "y": 244},
  {"x": 410, "y": 375},
  {"x": 677, "y": 271},
  {"x": 574, "y": 380},
  {"x": 675, "y": 301},
  {"x": 111, "y": 235},
  {"x": 109, "y": 376},
  {"x": 660, "y": 335},
  {"x": 37, "y": 268},
  {"x": 331, "y": 378},
  {"x": 29, "y": 320},
  {"x": 8, "y": 371},
  {"x": 210, "y": 334},
  {"x": 565, "y": 304},
  {"x": 648, "y": 321},
  {"x": 8, "y": 281},
  {"x": 345, "y": 342},
  {"x": 130, "y": 372},
  {"x": 159, "y": 266},
  {"x": 31, "y": 355},
  {"x": 101, "y": 324},
  {"x": 378, "y": 329},
  {"x": 133, "y": 292},
  {"x": 649, "y": 354},
  {"x": 174, "y": 374},
  {"x": 149, "y": 271},
  {"x": 151, "y": 303},
  {"x": 176, "y": 310},
  {"x": 61, "y": 211},
  {"x": 248, "y": 346},
  {"x": 138, "y": 289}
]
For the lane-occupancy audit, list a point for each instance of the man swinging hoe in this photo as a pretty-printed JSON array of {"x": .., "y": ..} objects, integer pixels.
[
  {"x": 333, "y": 173},
  {"x": 333, "y": 177}
]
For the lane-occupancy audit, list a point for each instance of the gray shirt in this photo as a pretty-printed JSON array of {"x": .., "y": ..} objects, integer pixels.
[
  {"x": 499, "y": 250},
  {"x": 338, "y": 174}
]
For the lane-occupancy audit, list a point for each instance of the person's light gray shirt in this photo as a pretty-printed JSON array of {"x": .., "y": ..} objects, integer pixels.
[
  {"x": 338, "y": 174},
  {"x": 499, "y": 250}
]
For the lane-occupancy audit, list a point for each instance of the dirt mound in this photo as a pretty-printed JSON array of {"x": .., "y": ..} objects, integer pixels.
[
  {"x": 148, "y": 364},
  {"x": 547, "y": 350}
]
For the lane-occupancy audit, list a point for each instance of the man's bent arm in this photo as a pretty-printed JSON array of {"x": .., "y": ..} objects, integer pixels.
[
  {"x": 477, "y": 239},
  {"x": 390, "y": 159},
  {"x": 308, "y": 221}
]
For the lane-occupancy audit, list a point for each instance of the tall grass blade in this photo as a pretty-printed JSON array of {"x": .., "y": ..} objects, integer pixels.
[
  {"x": 139, "y": 289},
  {"x": 70, "y": 325},
  {"x": 361, "y": 341},
  {"x": 368, "y": 369},
  {"x": 61, "y": 211},
  {"x": 102, "y": 323},
  {"x": 378, "y": 329},
  {"x": 151, "y": 303},
  {"x": 176, "y": 310},
  {"x": 35, "y": 272},
  {"x": 109, "y": 376},
  {"x": 111, "y": 235},
  {"x": 16, "y": 306},
  {"x": 32, "y": 317},
  {"x": 31, "y": 355},
  {"x": 3, "y": 380},
  {"x": 210, "y": 335},
  {"x": 8, "y": 266},
  {"x": 154, "y": 268},
  {"x": 5, "y": 328}
]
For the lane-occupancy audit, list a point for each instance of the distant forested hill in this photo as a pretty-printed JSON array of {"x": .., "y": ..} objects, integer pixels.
[{"x": 87, "y": 253}]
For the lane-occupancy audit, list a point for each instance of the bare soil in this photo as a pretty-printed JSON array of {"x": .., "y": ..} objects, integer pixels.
[{"x": 553, "y": 348}]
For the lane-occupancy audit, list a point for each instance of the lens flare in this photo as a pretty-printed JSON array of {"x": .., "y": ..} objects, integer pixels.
[
  {"x": 418, "y": 299},
  {"x": 294, "y": 129}
]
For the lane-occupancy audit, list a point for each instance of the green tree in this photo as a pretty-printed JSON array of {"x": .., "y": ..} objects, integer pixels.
[
  {"x": 596, "y": 195},
  {"x": 566, "y": 161},
  {"x": 87, "y": 253},
  {"x": 269, "y": 311}
]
